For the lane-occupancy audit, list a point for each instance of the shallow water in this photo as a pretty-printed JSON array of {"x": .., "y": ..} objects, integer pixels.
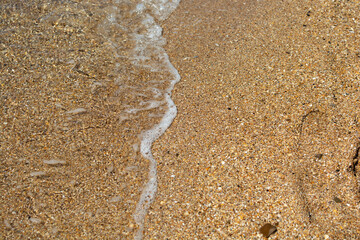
[{"x": 120, "y": 49}]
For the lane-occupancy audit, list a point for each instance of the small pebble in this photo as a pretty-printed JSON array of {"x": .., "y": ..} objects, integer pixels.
[
  {"x": 7, "y": 224},
  {"x": 54, "y": 162},
  {"x": 337, "y": 200},
  {"x": 318, "y": 156},
  {"x": 110, "y": 169},
  {"x": 77, "y": 111},
  {"x": 54, "y": 230},
  {"x": 267, "y": 230},
  {"x": 115, "y": 199},
  {"x": 35, "y": 220},
  {"x": 37, "y": 174},
  {"x": 95, "y": 86},
  {"x": 59, "y": 105}
]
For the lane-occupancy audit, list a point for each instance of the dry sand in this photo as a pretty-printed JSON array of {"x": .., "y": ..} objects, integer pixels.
[{"x": 267, "y": 128}]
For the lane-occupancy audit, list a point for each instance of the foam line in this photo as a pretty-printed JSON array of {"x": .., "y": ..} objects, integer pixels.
[
  {"x": 147, "y": 53},
  {"x": 151, "y": 135},
  {"x": 148, "y": 138},
  {"x": 148, "y": 193}
]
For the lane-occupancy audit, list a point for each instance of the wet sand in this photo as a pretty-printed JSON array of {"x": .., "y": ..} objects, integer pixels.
[
  {"x": 69, "y": 164},
  {"x": 267, "y": 128},
  {"x": 268, "y": 122}
]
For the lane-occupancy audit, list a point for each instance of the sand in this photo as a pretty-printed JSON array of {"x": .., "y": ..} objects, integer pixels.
[
  {"x": 267, "y": 125},
  {"x": 267, "y": 129},
  {"x": 68, "y": 165}
]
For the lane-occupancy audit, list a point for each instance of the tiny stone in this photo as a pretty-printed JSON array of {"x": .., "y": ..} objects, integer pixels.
[
  {"x": 37, "y": 174},
  {"x": 95, "y": 86},
  {"x": 7, "y": 224},
  {"x": 59, "y": 105},
  {"x": 267, "y": 230},
  {"x": 99, "y": 212},
  {"x": 115, "y": 199},
  {"x": 77, "y": 111},
  {"x": 110, "y": 169},
  {"x": 54, "y": 162},
  {"x": 24, "y": 159},
  {"x": 54, "y": 230},
  {"x": 89, "y": 214},
  {"x": 319, "y": 155},
  {"x": 35, "y": 220},
  {"x": 337, "y": 200}
]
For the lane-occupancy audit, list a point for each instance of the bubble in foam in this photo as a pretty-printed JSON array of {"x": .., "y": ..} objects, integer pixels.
[
  {"x": 140, "y": 8},
  {"x": 162, "y": 8}
]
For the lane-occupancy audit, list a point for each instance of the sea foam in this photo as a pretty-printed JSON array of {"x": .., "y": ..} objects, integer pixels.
[
  {"x": 154, "y": 36},
  {"x": 147, "y": 53}
]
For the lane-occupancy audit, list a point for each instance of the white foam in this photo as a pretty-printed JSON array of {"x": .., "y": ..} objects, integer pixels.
[
  {"x": 140, "y": 8},
  {"x": 147, "y": 53},
  {"x": 162, "y": 9},
  {"x": 148, "y": 138}
]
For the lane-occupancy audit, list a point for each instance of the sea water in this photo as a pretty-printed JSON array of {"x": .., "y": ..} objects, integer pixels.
[
  {"x": 142, "y": 77},
  {"x": 140, "y": 20}
]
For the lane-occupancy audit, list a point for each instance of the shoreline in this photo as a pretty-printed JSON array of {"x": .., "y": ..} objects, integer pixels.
[{"x": 267, "y": 129}]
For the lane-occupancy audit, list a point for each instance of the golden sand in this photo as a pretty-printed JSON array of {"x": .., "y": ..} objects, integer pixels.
[
  {"x": 68, "y": 169},
  {"x": 267, "y": 129},
  {"x": 268, "y": 122}
]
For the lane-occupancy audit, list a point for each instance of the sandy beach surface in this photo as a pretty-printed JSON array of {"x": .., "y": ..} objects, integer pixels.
[
  {"x": 68, "y": 165},
  {"x": 267, "y": 131}
]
